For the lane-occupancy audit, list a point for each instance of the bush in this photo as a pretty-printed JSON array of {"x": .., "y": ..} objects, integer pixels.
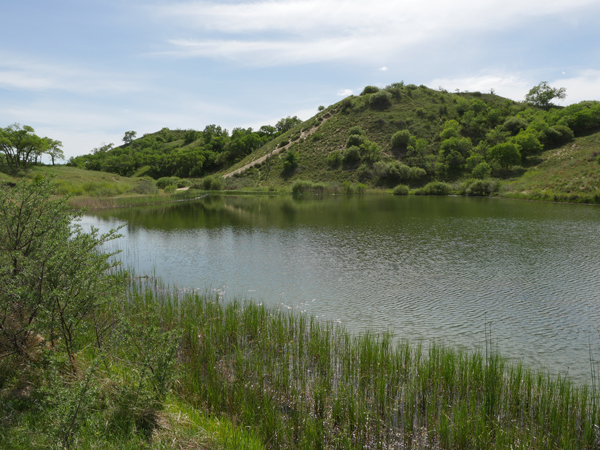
[
  {"x": 163, "y": 182},
  {"x": 481, "y": 188},
  {"x": 380, "y": 100},
  {"x": 291, "y": 160},
  {"x": 401, "y": 189},
  {"x": 213, "y": 183},
  {"x": 348, "y": 187},
  {"x": 370, "y": 90},
  {"x": 301, "y": 186},
  {"x": 335, "y": 158},
  {"x": 481, "y": 170},
  {"x": 145, "y": 187},
  {"x": 515, "y": 124},
  {"x": 506, "y": 154},
  {"x": 190, "y": 136},
  {"x": 436, "y": 188},
  {"x": 183, "y": 183},
  {"x": 351, "y": 155},
  {"x": 356, "y": 130},
  {"x": 400, "y": 139},
  {"x": 347, "y": 104},
  {"x": 361, "y": 188},
  {"x": 417, "y": 173},
  {"x": 355, "y": 140},
  {"x": 169, "y": 189}
]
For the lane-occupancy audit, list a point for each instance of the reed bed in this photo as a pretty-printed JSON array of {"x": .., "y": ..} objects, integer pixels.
[{"x": 302, "y": 383}]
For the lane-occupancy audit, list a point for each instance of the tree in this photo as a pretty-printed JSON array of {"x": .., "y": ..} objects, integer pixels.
[
  {"x": 53, "y": 149},
  {"x": 507, "y": 154},
  {"x": 129, "y": 137},
  {"x": 542, "y": 95},
  {"x": 290, "y": 160},
  {"x": 287, "y": 124},
  {"x": 19, "y": 144},
  {"x": 400, "y": 139}
]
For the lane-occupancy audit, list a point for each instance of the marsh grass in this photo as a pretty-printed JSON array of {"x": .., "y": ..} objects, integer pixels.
[{"x": 301, "y": 383}]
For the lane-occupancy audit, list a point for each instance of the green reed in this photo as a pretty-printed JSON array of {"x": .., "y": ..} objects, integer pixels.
[{"x": 302, "y": 383}]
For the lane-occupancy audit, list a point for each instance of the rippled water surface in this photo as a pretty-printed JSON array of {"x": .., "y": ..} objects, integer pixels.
[{"x": 427, "y": 267}]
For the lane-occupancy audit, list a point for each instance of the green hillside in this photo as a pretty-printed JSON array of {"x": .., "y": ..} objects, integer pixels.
[
  {"x": 464, "y": 142},
  {"x": 452, "y": 137}
]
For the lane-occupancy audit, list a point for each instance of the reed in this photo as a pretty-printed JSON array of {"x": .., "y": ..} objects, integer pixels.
[{"x": 302, "y": 383}]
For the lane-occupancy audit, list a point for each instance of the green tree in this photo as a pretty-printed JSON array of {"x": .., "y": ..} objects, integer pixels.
[
  {"x": 129, "y": 137},
  {"x": 53, "y": 149},
  {"x": 290, "y": 160},
  {"x": 400, "y": 139},
  {"x": 19, "y": 144},
  {"x": 507, "y": 154},
  {"x": 542, "y": 95},
  {"x": 286, "y": 124}
]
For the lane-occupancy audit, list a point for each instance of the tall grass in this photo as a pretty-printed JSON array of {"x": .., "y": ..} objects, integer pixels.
[{"x": 301, "y": 383}]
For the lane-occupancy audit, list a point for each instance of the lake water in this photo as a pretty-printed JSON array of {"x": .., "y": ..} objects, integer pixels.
[{"x": 426, "y": 267}]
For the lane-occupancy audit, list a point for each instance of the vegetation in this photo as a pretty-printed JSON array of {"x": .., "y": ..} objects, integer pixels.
[{"x": 97, "y": 359}]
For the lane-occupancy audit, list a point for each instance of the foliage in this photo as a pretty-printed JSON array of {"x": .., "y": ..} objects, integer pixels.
[
  {"x": 163, "y": 182},
  {"x": 21, "y": 145},
  {"x": 335, "y": 158},
  {"x": 542, "y": 95},
  {"x": 528, "y": 143},
  {"x": 145, "y": 187},
  {"x": 380, "y": 100},
  {"x": 321, "y": 108},
  {"x": 129, "y": 137},
  {"x": 481, "y": 170},
  {"x": 54, "y": 282},
  {"x": 212, "y": 183},
  {"x": 435, "y": 188},
  {"x": 506, "y": 154},
  {"x": 401, "y": 189},
  {"x": 481, "y": 188},
  {"x": 356, "y": 130},
  {"x": 400, "y": 139},
  {"x": 352, "y": 154},
  {"x": 291, "y": 160},
  {"x": 370, "y": 90},
  {"x": 515, "y": 125}
]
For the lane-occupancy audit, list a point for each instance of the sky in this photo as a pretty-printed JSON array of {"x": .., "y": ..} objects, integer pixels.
[{"x": 85, "y": 71}]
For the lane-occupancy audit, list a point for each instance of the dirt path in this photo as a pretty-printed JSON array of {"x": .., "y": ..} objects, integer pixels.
[{"x": 303, "y": 135}]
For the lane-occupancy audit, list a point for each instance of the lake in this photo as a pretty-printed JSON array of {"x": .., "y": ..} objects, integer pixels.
[{"x": 441, "y": 268}]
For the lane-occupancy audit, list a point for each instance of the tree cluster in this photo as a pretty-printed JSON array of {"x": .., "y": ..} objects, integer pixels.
[{"x": 21, "y": 146}]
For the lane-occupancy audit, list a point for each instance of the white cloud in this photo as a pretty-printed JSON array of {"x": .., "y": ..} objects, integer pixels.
[
  {"x": 35, "y": 75},
  {"x": 384, "y": 69},
  {"x": 345, "y": 92},
  {"x": 272, "y": 32},
  {"x": 585, "y": 86}
]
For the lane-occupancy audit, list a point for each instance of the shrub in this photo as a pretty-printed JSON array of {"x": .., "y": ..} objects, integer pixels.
[
  {"x": 145, "y": 187},
  {"x": 291, "y": 160},
  {"x": 436, "y": 188},
  {"x": 401, "y": 189},
  {"x": 183, "y": 183},
  {"x": 301, "y": 186},
  {"x": 163, "y": 182},
  {"x": 559, "y": 134},
  {"x": 352, "y": 154},
  {"x": 400, "y": 139},
  {"x": 321, "y": 108},
  {"x": 481, "y": 188},
  {"x": 528, "y": 143},
  {"x": 481, "y": 170},
  {"x": 361, "y": 188},
  {"x": 506, "y": 154},
  {"x": 190, "y": 136},
  {"x": 335, "y": 158},
  {"x": 169, "y": 189},
  {"x": 515, "y": 124},
  {"x": 380, "y": 100},
  {"x": 213, "y": 183},
  {"x": 355, "y": 140},
  {"x": 348, "y": 187},
  {"x": 356, "y": 130},
  {"x": 370, "y": 90},
  {"x": 417, "y": 173},
  {"x": 347, "y": 104}
]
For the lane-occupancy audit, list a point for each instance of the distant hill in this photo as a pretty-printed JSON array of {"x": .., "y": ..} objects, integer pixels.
[{"x": 402, "y": 134}]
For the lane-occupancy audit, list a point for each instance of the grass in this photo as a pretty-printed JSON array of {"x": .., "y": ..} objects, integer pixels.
[{"x": 301, "y": 383}]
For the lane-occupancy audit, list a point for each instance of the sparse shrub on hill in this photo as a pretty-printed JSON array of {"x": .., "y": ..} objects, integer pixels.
[
  {"x": 528, "y": 143},
  {"x": 335, "y": 158},
  {"x": 400, "y": 139},
  {"x": 347, "y": 104},
  {"x": 351, "y": 154},
  {"x": 380, "y": 100},
  {"x": 506, "y": 154},
  {"x": 481, "y": 170},
  {"x": 369, "y": 90},
  {"x": 291, "y": 160},
  {"x": 356, "y": 130},
  {"x": 355, "y": 140}
]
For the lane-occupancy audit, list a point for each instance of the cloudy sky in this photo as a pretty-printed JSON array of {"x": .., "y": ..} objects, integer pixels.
[{"x": 84, "y": 72}]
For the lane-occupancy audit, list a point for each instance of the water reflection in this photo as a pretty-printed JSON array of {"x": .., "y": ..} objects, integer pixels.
[{"x": 427, "y": 267}]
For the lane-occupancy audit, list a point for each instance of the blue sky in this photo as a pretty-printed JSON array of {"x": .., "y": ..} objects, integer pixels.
[{"x": 84, "y": 72}]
